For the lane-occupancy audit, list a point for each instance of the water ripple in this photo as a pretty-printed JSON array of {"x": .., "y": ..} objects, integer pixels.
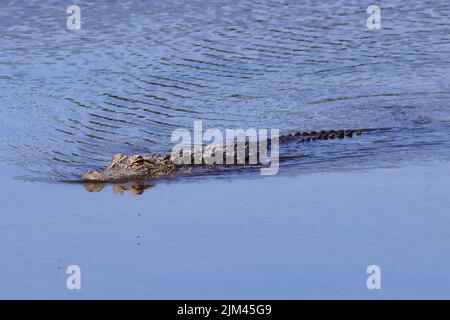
[{"x": 137, "y": 70}]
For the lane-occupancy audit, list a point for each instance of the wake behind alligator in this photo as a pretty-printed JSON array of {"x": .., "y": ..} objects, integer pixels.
[{"x": 125, "y": 168}]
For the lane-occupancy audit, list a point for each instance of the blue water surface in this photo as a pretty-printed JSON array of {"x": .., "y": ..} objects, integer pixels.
[{"x": 137, "y": 70}]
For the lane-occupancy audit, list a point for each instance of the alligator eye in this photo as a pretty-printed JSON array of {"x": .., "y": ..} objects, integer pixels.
[{"x": 138, "y": 162}]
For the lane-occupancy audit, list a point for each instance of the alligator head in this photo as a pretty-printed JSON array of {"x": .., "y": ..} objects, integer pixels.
[{"x": 137, "y": 167}]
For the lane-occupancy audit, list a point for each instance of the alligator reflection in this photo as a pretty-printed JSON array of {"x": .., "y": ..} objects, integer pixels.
[{"x": 137, "y": 188}]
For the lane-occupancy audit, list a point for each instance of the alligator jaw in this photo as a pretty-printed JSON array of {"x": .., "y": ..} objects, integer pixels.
[{"x": 93, "y": 176}]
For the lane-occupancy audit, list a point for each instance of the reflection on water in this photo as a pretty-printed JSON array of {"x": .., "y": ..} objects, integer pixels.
[
  {"x": 136, "y": 188},
  {"x": 137, "y": 70}
]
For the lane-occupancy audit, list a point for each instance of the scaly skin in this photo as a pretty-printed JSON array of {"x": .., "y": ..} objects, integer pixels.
[{"x": 137, "y": 167}]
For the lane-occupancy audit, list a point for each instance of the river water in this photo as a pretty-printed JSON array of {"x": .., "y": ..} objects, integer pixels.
[{"x": 137, "y": 70}]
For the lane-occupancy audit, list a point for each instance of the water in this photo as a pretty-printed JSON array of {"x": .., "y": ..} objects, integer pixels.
[
  {"x": 137, "y": 70},
  {"x": 280, "y": 237}
]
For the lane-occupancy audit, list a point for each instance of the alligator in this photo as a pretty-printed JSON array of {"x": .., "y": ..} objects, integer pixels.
[{"x": 125, "y": 168}]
